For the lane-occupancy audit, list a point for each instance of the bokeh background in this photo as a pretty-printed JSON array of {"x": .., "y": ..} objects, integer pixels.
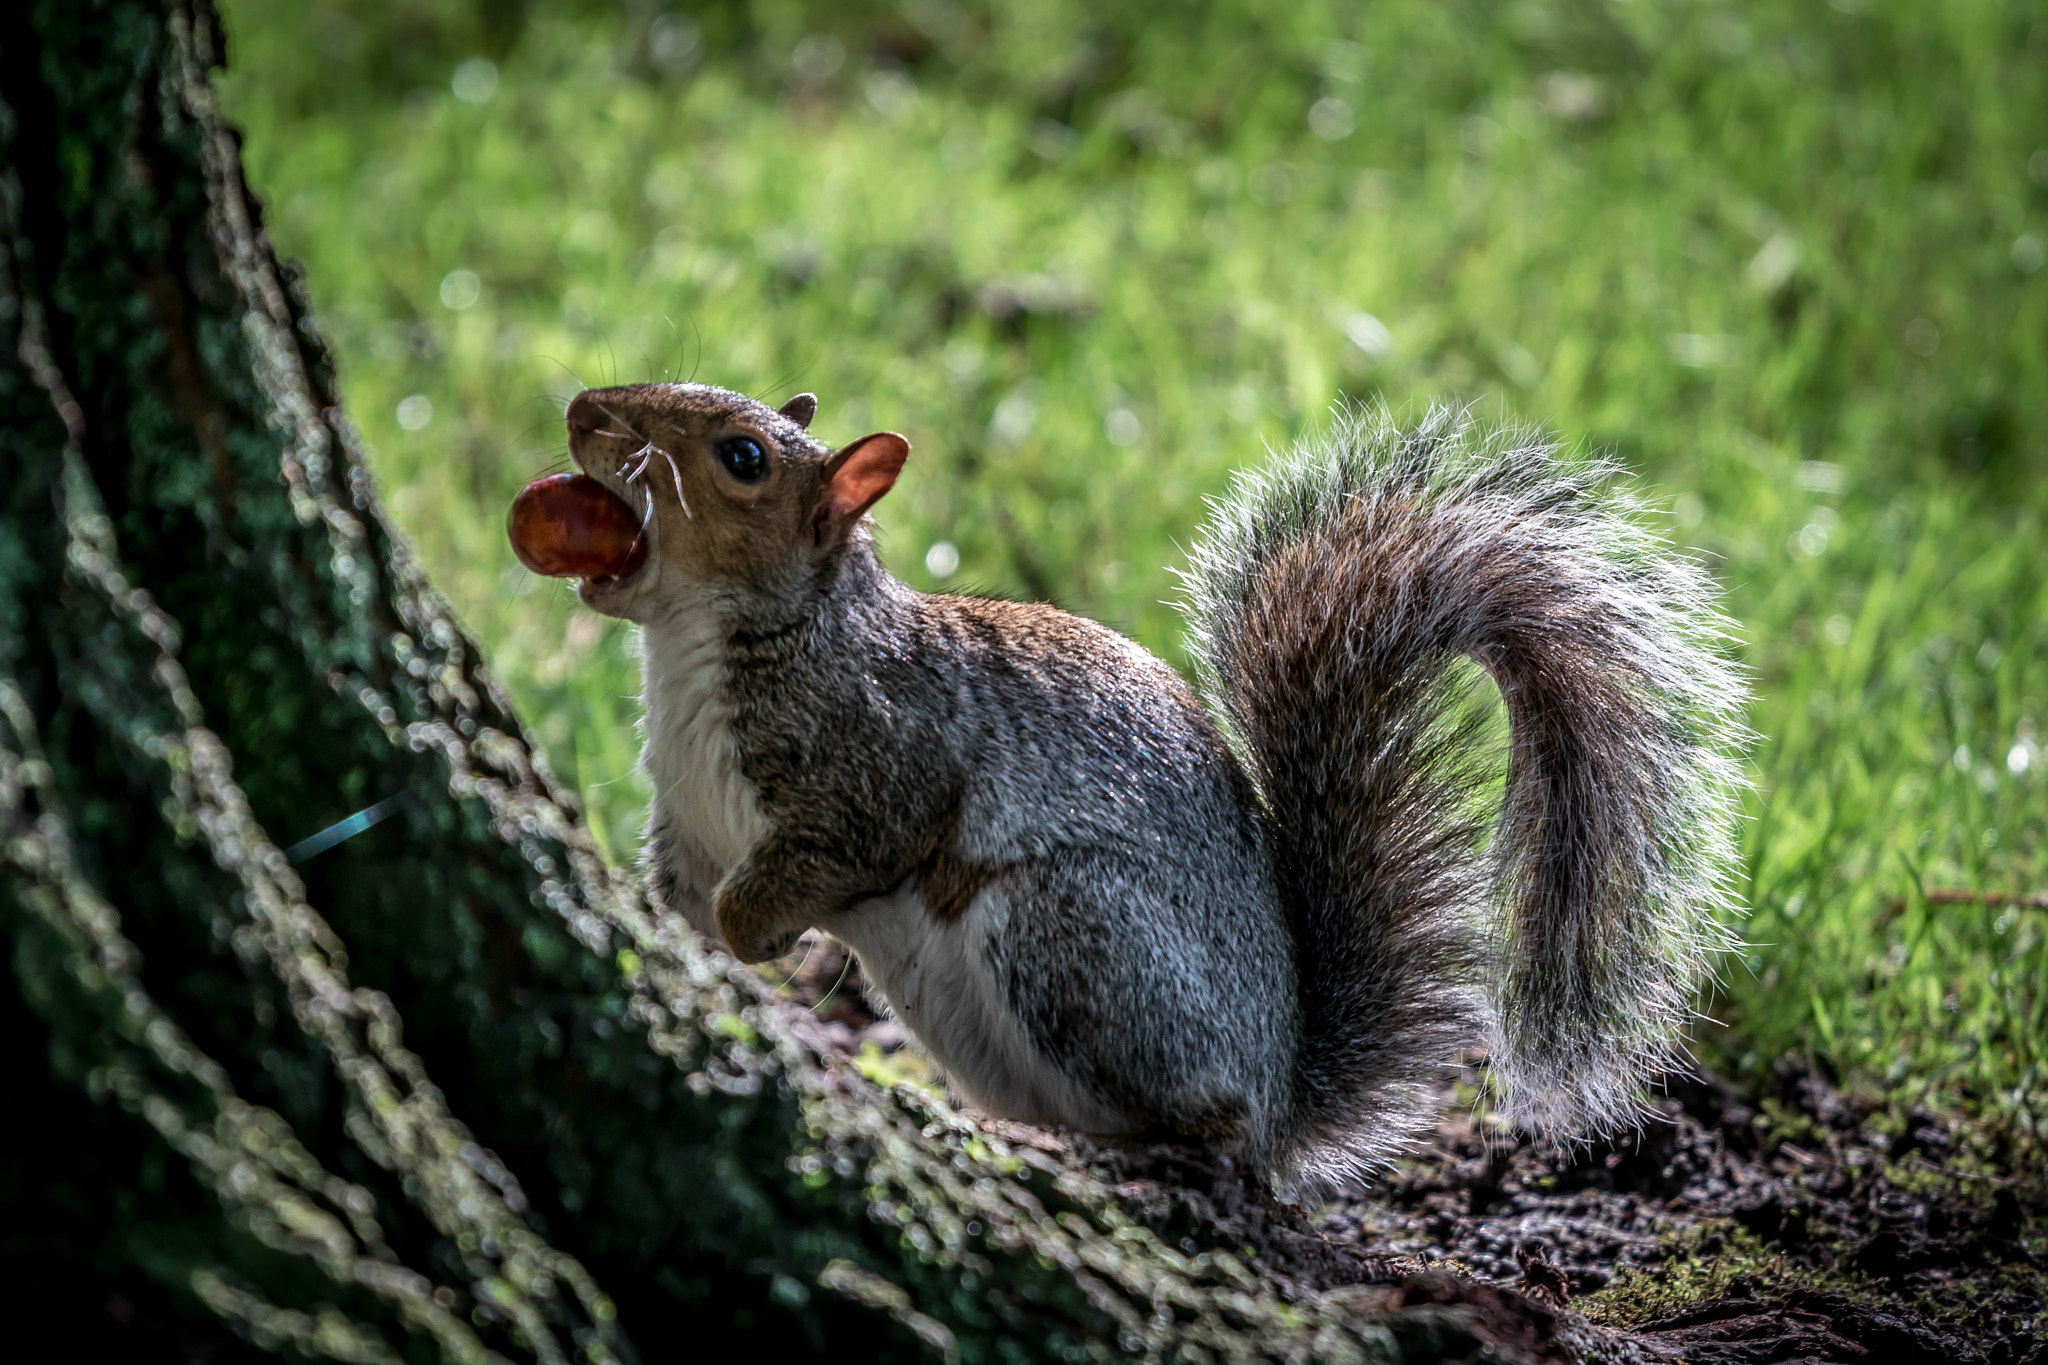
[{"x": 1786, "y": 260}]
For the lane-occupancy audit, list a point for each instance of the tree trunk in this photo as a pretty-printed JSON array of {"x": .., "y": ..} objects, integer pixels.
[{"x": 592, "y": 1136}]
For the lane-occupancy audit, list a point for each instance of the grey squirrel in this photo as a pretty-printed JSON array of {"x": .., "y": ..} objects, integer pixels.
[{"x": 1268, "y": 923}]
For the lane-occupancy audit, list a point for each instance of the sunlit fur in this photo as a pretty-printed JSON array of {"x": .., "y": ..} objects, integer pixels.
[{"x": 1330, "y": 597}]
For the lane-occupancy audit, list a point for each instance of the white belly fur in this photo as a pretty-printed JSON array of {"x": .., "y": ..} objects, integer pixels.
[
  {"x": 712, "y": 812},
  {"x": 936, "y": 977}
]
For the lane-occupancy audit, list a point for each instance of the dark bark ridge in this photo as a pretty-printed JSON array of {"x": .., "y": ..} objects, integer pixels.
[{"x": 554, "y": 1119}]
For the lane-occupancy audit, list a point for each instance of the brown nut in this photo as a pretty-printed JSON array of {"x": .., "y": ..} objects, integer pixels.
[{"x": 572, "y": 526}]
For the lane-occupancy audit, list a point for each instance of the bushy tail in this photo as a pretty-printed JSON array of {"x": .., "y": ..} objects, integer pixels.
[{"x": 1333, "y": 596}]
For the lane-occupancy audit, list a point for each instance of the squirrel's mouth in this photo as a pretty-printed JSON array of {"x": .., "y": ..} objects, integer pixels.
[
  {"x": 601, "y": 592},
  {"x": 614, "y": 594}
]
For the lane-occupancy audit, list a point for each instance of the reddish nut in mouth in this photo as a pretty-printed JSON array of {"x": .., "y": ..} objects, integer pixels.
[{"x": 572, "y": 526}]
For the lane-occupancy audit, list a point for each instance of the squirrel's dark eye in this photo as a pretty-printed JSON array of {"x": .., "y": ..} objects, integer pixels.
[{"x": 743, "y": 457}]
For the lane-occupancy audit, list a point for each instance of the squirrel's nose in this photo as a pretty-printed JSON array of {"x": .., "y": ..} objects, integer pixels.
[{"x": 584, "y": 415}]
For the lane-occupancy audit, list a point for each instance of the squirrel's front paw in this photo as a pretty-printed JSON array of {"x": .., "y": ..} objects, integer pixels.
[
  {"x": 763, "y": 947},
  {"x": 754, "y": 938},
  {"x": 759, "y": 915}
]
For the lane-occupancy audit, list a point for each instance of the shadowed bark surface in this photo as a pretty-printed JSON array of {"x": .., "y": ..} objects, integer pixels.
[{"x": 449, "y": 1089}]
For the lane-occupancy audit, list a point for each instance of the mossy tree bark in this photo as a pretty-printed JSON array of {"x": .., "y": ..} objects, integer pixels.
[{"x": 591, "y": 1137}]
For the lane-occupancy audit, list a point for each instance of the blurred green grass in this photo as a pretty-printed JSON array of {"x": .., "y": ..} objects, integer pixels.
[{"x": 1786, "y": 259}]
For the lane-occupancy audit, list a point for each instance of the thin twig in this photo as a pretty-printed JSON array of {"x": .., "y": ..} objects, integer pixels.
[{"x": 1956, "y": 895}]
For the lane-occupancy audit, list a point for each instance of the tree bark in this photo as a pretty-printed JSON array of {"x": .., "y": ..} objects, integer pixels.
[{"x": 450, "y": 1088}]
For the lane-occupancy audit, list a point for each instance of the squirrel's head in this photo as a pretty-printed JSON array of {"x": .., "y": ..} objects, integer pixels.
[{"x": 737, "y": 497}]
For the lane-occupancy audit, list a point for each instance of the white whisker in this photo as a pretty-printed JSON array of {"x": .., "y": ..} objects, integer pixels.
[
  {"x": 676, "y": 473},
  {"x": 628, "y": 432}
]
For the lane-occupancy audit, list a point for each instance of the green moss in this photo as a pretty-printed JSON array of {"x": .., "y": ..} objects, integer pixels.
[{"x": 1691, "y": 1276}]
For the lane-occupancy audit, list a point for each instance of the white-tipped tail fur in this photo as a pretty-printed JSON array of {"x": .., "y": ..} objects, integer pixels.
[{"x": 1332, "y": 596}]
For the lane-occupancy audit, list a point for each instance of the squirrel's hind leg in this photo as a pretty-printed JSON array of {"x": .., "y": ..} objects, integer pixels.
[
  {"x": 1094, "y": 993},
  {"x": 937, "y": 971},
  {"x": 1165, "y": 998}
]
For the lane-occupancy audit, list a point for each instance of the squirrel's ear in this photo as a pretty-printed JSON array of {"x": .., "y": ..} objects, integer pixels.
[
  {"x": 801, "y": 409},
  {"x": 856, "y": 477}
]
